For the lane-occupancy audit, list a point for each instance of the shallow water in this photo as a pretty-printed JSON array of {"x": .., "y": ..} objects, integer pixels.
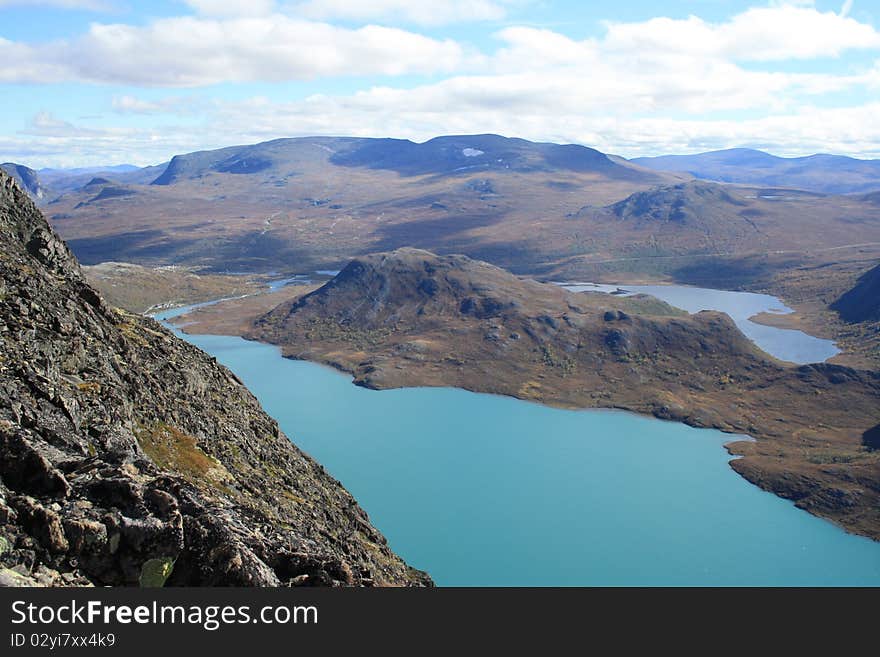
[
  {"x": 486, "y": 490},
  {"x": 786, "y": 344}
]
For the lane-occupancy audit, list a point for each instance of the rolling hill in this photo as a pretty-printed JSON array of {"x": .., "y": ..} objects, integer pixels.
[
  {"x": 438, "y": 156},
  {"x": 544, "y": 209},
  {"x": 316, "y": 201}
]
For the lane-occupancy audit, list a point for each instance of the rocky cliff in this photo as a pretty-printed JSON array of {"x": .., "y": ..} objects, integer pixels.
[
  {"x": 27, "y": 179},
  {"x": 128, "y": 456}
]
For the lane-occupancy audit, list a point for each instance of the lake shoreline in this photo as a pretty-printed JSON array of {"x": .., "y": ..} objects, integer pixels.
[
  {"x": 352, "y": 456},
  {"x": 754, "y": 459}
]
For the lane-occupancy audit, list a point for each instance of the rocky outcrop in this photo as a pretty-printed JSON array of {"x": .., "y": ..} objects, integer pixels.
[
  {"x": 27, "y": 179},
  {"x": 129, "y": 457},
  {"x": 693, "y": 203}
]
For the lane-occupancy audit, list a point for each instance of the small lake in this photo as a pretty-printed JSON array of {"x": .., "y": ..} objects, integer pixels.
[
  {"x": 786, "y": 344},
  {"x": 481, "y": 490}
]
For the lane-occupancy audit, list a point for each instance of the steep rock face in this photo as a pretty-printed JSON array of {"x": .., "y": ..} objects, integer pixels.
[
  {"x": 27, "y": 178},
  {"x": 862, "y": 302},
  {"x": 128, "y": 456}
]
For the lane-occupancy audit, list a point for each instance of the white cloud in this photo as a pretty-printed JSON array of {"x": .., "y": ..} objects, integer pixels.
[
  {"x": 190, "y": 51},
  {"x": 786, "y": 31},
  {"x": 202, "y": 50},
  {"x": 655, "y": 86},
  {"x": 232, "y": 7},
  {"x": 422, "y": 12},
  {"x": 62, "y": 144},
  {"x": 46, "y": 125},
  {"x": 800, "y": 131}
]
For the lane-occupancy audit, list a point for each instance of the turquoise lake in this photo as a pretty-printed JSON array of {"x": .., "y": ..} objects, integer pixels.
[{"x": 481, "y": 490}]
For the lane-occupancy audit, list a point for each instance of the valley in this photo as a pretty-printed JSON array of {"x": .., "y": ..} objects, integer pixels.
[
  {"x": 414, "y": 266},
  {"x": 459, "y": 293}
]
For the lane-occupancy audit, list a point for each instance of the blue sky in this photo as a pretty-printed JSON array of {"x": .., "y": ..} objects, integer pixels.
[{"x": 89, "y": 82}]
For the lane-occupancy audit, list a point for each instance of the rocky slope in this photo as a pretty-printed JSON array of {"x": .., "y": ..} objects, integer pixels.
[
  {"x": 862, "y": 302},
  {"x": 685, "y": 203},
  {"x": 128, "y": 456},
  {"x": 411, "y": 318}
]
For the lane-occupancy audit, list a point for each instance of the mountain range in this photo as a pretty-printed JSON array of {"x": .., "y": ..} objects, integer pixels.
[
  {"x": 829, "y": 174},
  {"x": 549, "y": 210},
  {"x": 544, "y": 209},
  {"x": 315, "y": 202}
]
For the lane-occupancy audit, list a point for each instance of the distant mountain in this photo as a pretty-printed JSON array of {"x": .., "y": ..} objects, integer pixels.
[
  {"x": 444, "y": 155},
  {"x": 63, "y": 181},
  {"x": 101, "y": 189},
  {"x": 439, "y": 156},
  {"x": 316, "y": 202},
  {"x": 831, "y": 174},
  {"x": 862, "y": 302},
  {"x": 321, "y": 200},
  {"x": 27, "y": 178},
  {"x": 696, "y": 215},
  {"x": 272, "y": 157},
  {"x": 74, "y": 171}
]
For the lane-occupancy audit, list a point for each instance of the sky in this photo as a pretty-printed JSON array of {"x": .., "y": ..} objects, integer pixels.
[{"x": 99, "y": 82}]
